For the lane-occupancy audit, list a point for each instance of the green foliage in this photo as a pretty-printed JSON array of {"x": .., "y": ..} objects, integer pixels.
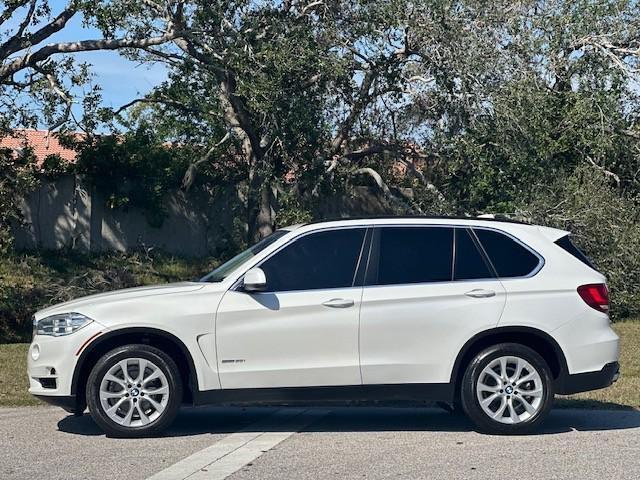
[
  {"x": 17, "y": 175},
  {"x": 291, "y": 211},
  {"x": 605, "y": 224},
  {"x": 29, "y": 282},
  {"x": 133, "y": 170},
  {"x": 532, "y": 136}
]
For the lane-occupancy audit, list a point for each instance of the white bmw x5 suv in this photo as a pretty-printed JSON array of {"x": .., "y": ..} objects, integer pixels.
[{"x": 492, "y": 317}]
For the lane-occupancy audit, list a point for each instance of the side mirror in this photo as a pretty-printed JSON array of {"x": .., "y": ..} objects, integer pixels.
[{"x": 255, "y": 280}]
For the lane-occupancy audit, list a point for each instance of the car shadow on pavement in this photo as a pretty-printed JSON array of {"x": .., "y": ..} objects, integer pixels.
[{"x": 222, "y": 420}]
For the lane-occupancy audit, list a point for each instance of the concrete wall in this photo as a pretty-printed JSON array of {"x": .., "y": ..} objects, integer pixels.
[
  {"x": 56, "y": 215},
  {"x": 69, "y": 213}
]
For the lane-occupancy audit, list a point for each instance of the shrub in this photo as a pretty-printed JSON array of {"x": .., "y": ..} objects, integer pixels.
[
  {"x": 29, "y": 282},
  {"x": 604, "y": 223},
  {"x": 17, "y": 175}
]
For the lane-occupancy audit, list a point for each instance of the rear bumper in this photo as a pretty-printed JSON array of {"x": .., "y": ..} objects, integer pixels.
[{"x": 583, "y": 382}]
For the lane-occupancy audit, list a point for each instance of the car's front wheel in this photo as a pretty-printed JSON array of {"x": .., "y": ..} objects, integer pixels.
[
  {"x": 134, "y": 391},
  {"x": 507, "y": 389}
]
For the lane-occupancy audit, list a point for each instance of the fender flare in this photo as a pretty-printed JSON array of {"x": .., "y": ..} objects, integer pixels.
[
  {"x": 101, "y": 339},
  {"x": 466, "y": 348}
]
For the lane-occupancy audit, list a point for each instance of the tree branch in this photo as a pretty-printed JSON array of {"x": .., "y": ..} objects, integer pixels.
[
  {"x": 190, "y": 174},
  {"x": 134, "y": 102},
  {"x": 615, "y": 51},
  {"x": 376, "y": 178},
  {"x": 234, "y": 111},
  {"x": 32, "y": 59},
  {"x": 311, "y": 6},
  {"x": 359, "y": 105},
  {"x": 18, "y": 42},
  {"x": 632, "y": 133},
  {"x": 154, "y": 6},
  {"x": 7, "y": 13},
  {"x": 169, "y": 58},
  {"x": 311, "y": 81},
  {"x": 163, "y": 101},
  {"x": 27, "y": 18},
  {"x": 606, "y": 172}
]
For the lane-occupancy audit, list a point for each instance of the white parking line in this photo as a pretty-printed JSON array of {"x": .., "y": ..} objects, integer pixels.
[{"x": 238, "y": 449}]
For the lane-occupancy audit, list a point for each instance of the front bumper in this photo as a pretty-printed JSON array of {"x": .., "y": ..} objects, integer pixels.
[
  {"x": 583, "y": 382},
  {"x": 51, "y": 362}
]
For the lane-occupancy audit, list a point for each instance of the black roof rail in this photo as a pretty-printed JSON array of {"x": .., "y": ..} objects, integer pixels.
[{"x": 497, "y": 218}]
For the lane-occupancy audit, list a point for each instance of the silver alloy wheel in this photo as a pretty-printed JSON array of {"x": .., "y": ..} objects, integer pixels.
[
  {"x": 134, "y": 392},
  {"x": 510, "y": 390}
]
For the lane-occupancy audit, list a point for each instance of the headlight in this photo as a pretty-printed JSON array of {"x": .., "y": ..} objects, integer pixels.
[{"x": 59, "y": 325}]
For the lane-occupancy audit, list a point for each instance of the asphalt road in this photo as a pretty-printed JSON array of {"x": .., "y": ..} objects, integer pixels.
[{"x": 342, "y": 442}]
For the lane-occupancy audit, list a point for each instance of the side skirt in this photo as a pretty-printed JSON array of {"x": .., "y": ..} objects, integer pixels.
[{"x": 442, "y": 392}]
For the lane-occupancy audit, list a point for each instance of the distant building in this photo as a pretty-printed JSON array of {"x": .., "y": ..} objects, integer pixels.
[{"x": 43, "y": 143}]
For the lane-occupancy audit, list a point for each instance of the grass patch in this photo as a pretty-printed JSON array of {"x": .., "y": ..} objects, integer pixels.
[
  {"x": 13, "y": 376},
  {"x": 624, "y": 394}
]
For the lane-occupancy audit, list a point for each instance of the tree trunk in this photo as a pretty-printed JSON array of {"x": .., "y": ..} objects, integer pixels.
[
  {"x": 261, "y": 214},
  {"x": 265, "y": 220}
]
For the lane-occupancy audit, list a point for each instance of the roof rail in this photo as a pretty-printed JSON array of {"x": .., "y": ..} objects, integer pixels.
[{"x": 483, "y": 217}]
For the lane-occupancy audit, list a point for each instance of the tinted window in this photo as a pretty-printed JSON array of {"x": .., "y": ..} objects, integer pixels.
[
  {"x": 509, "y": 258},
  {"x": 567, "y": 245},
  {"x": 319, "y": 260},
  {"x": 469, "y": 263},
  {"x": 414, "y": 255},
  {"x": 229, "y": 266}
]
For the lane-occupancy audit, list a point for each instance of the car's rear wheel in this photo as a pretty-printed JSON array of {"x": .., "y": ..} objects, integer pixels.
[
  {"x": 134, "y": 391},
  {"x": 507, "y": 389}
]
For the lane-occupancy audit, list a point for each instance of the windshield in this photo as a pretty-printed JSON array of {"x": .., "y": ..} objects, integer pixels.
[{"x": 229, "y": 266}]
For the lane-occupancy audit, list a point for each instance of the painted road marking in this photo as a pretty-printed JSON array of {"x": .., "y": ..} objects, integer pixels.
[{"x": 238, "y": 449}]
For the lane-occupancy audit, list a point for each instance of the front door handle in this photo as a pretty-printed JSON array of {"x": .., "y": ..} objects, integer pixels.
[
  {"x": 480, "y": 293},
  {"x": 339, "y": 303}
]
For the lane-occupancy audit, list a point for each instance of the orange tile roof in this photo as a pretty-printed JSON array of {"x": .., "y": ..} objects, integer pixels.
[{"x": 43, "y": 143}]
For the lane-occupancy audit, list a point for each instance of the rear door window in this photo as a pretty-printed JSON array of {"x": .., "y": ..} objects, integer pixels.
[
  {"x": 470, "y": 263},
  {"x": 509, "y": 257},
  {"x": 414, "y": 255}
]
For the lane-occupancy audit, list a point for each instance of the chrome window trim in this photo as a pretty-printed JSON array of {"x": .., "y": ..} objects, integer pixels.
[
  {"x": 498, "y": 278},
  {"x": 534, "y": 272},
  {"x": 541, "y": 261},
  {"x": 238, "y": 283}
]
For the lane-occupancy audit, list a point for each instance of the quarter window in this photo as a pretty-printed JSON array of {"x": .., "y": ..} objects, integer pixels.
[
  {"x": 320, "y": 260},
  {"x": 470, "y": 263},
  {"x": 414, "y": 255},
  {"x": 567, "y": 245},
  {"x": 509, "y": 258}
]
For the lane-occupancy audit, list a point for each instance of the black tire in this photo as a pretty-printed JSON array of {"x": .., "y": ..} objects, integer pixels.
[
  {"x": 164, "y": 363},
  {"x": 469, "y": 395}
]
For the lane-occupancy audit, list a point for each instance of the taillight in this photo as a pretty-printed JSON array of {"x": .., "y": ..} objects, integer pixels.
[{"x": 595, "y": 295}]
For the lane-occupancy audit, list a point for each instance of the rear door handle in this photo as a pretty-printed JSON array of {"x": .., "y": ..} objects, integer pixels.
[
  {"x": 339, "y": 303},
  {"x": 480, "y": 293}
]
